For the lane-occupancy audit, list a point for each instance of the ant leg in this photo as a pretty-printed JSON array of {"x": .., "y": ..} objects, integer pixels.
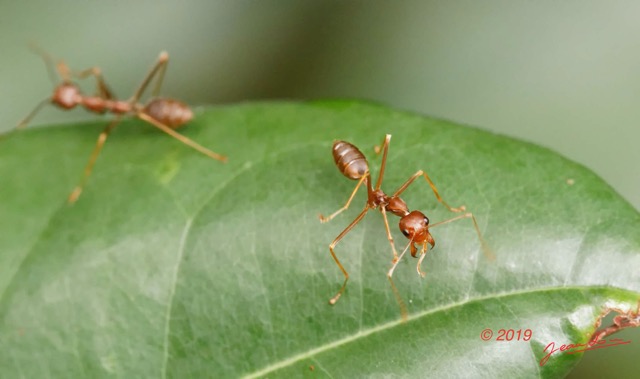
[
  {"x": 163, "y": 69},
  {"x": 389, "y": 236},
  {"x": 401, "y": 304},
  {"x": 160, "y": 65},
  {"x": 385, "y": 149},
  {"x": 335, "y": 298},
  {"x": 353, "y": 194},
  {"x": 23, "y": 124},
  {"x": 433, "y": 187},
  {"x": 181, "y": 138},
  {"x": 485, "y": 246},
  {"x": 102, "y": 138},
  {"x": 377, "y": 149},
  {"x": 103, "y": 89},
  {"x": 393, "y": 267}
]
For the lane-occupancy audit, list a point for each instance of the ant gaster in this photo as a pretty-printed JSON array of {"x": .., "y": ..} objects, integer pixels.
[
  {"x": 163, "y": 113},
  {"x": 413, "y": 224}
]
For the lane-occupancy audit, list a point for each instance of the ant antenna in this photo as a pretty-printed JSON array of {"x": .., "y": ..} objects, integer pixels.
[{"x": 48, "y": 61}]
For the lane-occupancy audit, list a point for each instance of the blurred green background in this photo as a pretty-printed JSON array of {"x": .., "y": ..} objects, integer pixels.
[{"x": 562, "y": 74}]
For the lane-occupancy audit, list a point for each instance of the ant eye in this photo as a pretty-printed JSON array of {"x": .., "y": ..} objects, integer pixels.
[
  {"x": 405, "y": 232},
  {"x": 426, "y": 220}
]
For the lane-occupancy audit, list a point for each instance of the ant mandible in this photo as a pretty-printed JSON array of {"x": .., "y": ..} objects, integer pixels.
[
  {"x": 413, "y": 224},
  {"x": 163, "y": 113}
]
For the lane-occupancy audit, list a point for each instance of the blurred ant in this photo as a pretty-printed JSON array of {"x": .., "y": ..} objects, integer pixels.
[
  {"x": 163, "y": 113},
  {"x": 413, "y": 224}
]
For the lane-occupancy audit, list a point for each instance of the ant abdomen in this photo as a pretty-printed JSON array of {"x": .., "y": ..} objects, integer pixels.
[
  {"x": 350, "y": 161},
  {"x": 172, "y": 113}
]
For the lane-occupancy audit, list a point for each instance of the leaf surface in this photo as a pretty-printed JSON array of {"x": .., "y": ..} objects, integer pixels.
[{"x": 175, "y": 265}]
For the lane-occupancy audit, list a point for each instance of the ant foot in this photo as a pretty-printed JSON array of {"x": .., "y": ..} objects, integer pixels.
[
  {"x": 75, "y": 194},
  {"x": 461, "y": 208}
]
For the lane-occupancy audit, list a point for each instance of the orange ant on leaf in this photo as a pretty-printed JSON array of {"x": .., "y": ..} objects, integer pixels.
[
  {"x": 413, "y": 224},
  {"x": 163, "y": 113}
]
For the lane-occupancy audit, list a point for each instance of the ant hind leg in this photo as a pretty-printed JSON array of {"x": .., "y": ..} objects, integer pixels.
[
  {"x": 324, "y": 219},
  {"x": 160, "y": 67},
  {"x": 187, "y": 141}
]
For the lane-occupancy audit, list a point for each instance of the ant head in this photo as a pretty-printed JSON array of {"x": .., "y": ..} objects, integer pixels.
[
  {"x": 415, "y": 226},
  {"x": 66, "y": 95}
]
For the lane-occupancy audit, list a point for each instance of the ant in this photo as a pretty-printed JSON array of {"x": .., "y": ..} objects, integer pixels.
[
  {"x": 163, "y": 113},
  {"x": 413, "y": 224}
]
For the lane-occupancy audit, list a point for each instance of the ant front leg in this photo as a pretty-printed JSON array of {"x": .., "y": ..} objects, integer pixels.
[
  {"x": 389, "y": 236},
  {"x": 403, "y": 187},
  {"x": 25, "y": 121},
  {"x": 102, "y": 138},
  {"x": 103, "y": 90},
  {"x": 160, "y": 67},
  {"x": 52, "y": 70},
  {"x": 346, "y": 206},
  {"x": 335, "y": 298}
]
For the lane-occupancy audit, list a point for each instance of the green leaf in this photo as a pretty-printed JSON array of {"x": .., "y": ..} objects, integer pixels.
[{"x": 175, "y": 265}]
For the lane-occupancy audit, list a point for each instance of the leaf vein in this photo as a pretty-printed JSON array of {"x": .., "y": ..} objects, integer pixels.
[{"x": 167, "y": 324}]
